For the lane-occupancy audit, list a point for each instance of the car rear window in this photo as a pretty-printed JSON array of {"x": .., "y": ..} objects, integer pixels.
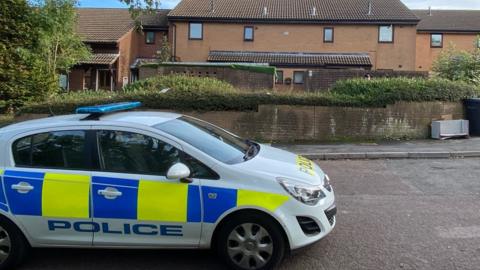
[{"x": 54, "y": 150}]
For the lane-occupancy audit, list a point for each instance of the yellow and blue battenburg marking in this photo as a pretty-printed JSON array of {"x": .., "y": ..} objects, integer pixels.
[
  {"x": 305, "y": 165},
  {"x": 68, "y": 196},
  {"x": 3, "y": 200}
]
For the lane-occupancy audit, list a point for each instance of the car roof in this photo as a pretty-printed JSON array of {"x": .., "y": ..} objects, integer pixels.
[{"x": 135, "y": 118}]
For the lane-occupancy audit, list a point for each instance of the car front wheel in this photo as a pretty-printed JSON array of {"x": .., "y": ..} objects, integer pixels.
[{"x": 252, "y": 241}]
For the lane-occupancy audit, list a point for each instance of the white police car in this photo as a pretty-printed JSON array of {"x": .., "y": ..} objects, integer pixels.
[{"x": 107, "y": 179}]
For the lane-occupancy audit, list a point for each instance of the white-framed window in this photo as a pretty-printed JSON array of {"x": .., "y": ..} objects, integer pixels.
[
  {"x": 195, "y": 31},
  {"x": 385, "y": 33}
]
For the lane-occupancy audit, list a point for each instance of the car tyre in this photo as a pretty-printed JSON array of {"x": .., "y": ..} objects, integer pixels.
[
  {"x": 251, "y": 241},
  {"x": 13, "y": 245}
]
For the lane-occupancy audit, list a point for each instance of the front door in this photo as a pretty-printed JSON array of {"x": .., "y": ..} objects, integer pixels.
[
  {"x": 133, "y": 201},
  {"x": 48, "y": 187}
]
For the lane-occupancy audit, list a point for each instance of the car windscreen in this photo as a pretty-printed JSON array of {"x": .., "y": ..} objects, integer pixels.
[{"x": 213, "y": 141}]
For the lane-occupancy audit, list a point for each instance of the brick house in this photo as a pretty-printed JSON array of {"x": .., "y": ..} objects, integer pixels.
[
  {"x": 116, "y": 45},
  {"x": 296, "y": 35},
  {"x": 440, "y": 29}
]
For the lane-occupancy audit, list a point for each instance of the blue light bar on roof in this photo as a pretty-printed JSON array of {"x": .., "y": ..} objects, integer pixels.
[{"x": 108, "y": 108}]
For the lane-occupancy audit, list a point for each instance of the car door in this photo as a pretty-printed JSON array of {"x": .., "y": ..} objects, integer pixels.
[
  {"x": 133, "y": 201},
  {"x": 47, "y": 186}
]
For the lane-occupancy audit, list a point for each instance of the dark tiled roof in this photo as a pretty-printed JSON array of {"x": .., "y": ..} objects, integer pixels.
[
  {"x": 295, "y": 10},
  {"x": 110, "y": 24},
  {"x": 101, "y": 59},
  {"x": 449, "y": 20},
  {"x": 300, "y": 59}
]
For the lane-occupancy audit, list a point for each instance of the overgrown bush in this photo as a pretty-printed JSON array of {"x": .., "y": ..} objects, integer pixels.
[
  {"x": 189, "y": 93},
  {"x": 382, "y": 91},
  {"x": 457, "y": 65},
  {"x": 180, "y": 83}
]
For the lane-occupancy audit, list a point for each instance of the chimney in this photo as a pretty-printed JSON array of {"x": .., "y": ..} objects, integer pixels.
[
  {"x": 265, "y": 11},
  {"x": 212, "y": 6},
  {"x": 430, "y": 11},
  {"x": 369, "y": 8},
  {"x": 314, "y": 11}
]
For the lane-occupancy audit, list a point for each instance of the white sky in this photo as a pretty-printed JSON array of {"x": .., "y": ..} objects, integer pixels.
[
  {"x": 443, "y": 4},
  {"x": 414, "y": 4}
]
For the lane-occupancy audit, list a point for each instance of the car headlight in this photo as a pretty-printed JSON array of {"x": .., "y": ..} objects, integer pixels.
[{"x": 309, "y": 195}]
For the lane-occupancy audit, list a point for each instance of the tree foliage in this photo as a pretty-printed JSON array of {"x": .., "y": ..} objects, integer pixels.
[
  {"x": 137, "y": 7},
  {"x": 19, "y": 78},
  {"x": 37, "y": 41},
  {"x": 458, "y": 65},
  {"x": 59, "y": 46},
  {"x": 165, "y": 52}
]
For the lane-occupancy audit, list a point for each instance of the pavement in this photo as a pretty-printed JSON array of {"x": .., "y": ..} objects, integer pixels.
[
  {"x": 458, "y": 148},
  {"x": 393, "y": 214}
]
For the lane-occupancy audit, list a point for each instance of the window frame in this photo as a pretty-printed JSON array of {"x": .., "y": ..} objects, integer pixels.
[
  {"x": 190, "y": 31},
  {"x": 245, "y": 33},
  {"x": 146, "y": 37},
  {"x": 431, "y": 40},
  {"x": 88, "y": 148},
  {"x": 325, "y": 36},
  {"x": 283, "y": 77},
  {"x": 182, "y": 152},
  {"x": 298, "y": 72},
  {"x": 380, "y": 31}
]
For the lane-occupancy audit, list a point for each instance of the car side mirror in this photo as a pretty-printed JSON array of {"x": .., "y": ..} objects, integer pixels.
[{"x": 178, "y": 171}]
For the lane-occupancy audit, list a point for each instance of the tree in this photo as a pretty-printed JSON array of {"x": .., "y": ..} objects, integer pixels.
[
  {"x": 60, "y": 47},
  {"x": 165, "y": 52},
  {"x": 20, "y": 80},
  {"x": 137, "y": 7},
  {"x": 459, "y": 65}
]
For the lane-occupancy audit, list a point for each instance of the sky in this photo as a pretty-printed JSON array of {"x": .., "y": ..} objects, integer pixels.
[{"x": 414, "y": 4}]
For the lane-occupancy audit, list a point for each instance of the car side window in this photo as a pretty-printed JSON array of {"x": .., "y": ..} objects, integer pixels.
[
  {"x": 54, "y": 150},
  {"x": 198, "y": 169},
  {"x": 127, "y": 152}
]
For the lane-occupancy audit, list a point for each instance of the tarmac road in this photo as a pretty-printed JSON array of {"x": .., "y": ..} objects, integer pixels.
[{"x": 393, "y": 214}]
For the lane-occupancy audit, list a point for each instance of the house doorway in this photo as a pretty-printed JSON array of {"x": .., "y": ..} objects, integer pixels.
[{"x": 105, "y": 80}]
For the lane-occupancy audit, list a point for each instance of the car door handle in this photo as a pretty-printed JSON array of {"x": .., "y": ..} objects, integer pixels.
[
  {"x": 110, "y": 193},
  {"x": 23, "y": 187}
]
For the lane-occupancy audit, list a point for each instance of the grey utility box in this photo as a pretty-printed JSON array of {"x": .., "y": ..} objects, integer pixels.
[{"x": 449, "y": 129}]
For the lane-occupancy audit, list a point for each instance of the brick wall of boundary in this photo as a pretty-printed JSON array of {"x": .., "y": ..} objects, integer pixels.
[
  {"x": 282, "y": 123},
  {"x": 323, "y": 79},
  {"x": 242, "y": 79}
]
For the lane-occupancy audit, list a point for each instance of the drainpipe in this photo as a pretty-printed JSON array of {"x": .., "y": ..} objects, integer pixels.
[{"x": 174, "y": 41}]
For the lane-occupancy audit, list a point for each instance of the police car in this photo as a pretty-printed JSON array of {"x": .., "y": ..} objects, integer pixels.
[{"x": 107, "y": 178}]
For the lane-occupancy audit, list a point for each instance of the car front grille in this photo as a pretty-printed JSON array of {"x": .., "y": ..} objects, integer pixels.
[{"x": 330, "y": 213}]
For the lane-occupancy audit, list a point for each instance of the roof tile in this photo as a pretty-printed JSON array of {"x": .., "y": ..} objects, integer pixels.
[
  {"x": 288, "y": 10},
  {"x": 280, "y": 58},
  {"x": 449, "y": 20}
]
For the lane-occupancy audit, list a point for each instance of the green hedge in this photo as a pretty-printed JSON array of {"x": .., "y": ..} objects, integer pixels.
[
  {"x": 380, "y": 92},
  {"x": 205, "y": 94},
  {"x": 254, "y": 68}
]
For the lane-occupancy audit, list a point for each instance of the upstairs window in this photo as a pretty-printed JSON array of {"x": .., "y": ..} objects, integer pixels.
[
  {"x": 150, "y": 37},
  {"x": 248, "y": 33},
  {"x": 436, "y": 40},
  {"x": 328, "y": 35},
  {"x": 385, "y": 34},
  {"x": 195, "y": 31}
]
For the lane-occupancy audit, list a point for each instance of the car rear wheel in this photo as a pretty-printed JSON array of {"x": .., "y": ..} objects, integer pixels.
[
  {"x": 251, "y": 241},
  {"x": 13, "y": 245}
]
